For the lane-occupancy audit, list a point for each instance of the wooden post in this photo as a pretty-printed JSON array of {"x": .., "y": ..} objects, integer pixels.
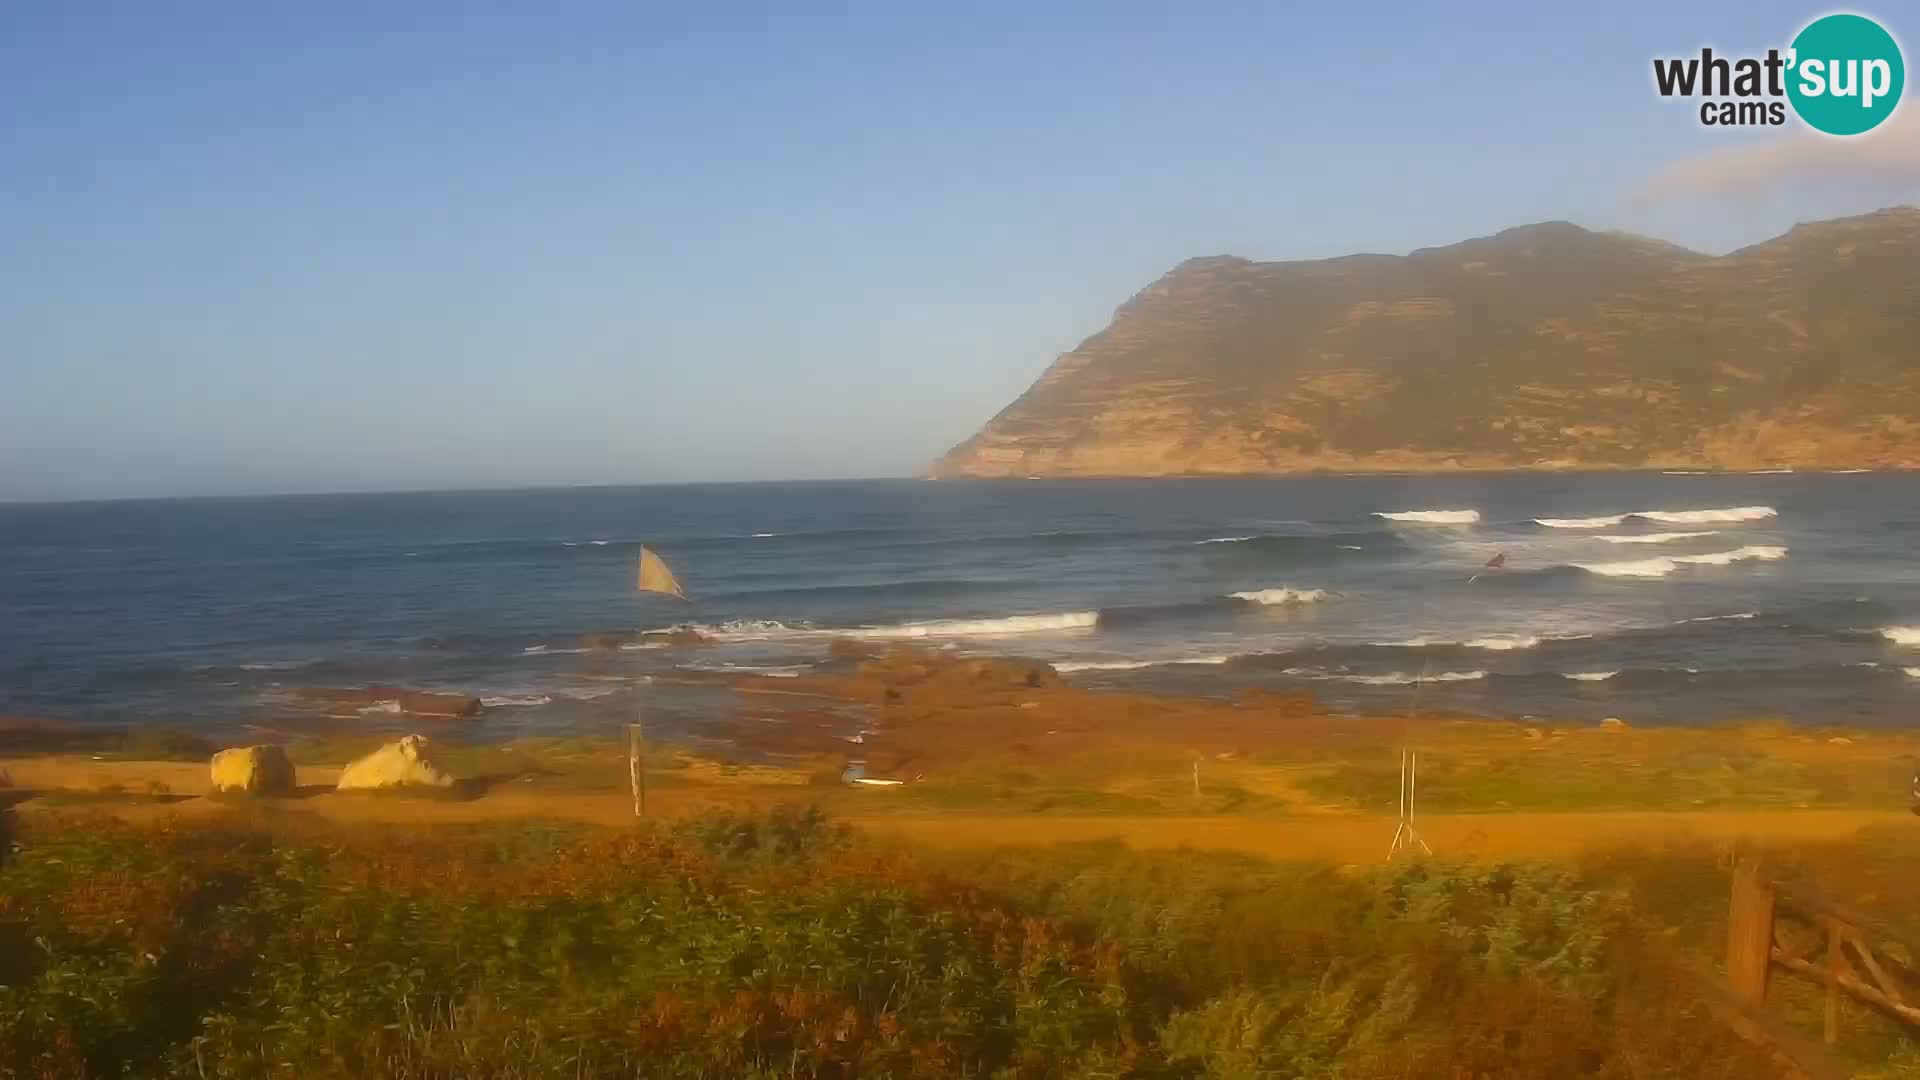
[
  {"x": 636, "y": 776},
  {"x": 1749, "y": 933},
  {"x": 1836, "y": 966}
]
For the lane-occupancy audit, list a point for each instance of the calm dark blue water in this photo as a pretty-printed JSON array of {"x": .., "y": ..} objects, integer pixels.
[{"x": 1719, "y": 597}]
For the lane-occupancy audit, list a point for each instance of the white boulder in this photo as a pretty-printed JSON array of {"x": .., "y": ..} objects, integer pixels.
[{"x": 399, "y": 764}]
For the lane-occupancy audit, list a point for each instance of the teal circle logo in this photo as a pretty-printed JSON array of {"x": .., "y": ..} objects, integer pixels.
[{"x": 1846, "y": 74}]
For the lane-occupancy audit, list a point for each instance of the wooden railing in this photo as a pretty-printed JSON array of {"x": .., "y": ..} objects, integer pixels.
[{"x": 1790, "y": 926}]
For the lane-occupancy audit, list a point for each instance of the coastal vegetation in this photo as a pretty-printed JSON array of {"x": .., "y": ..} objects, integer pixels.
[
  {"x": 781, "y": 944},
  {"x": 1065, "y": 883}
]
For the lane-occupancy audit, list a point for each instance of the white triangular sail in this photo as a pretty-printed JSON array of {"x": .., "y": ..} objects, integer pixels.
[{"x": 655, "y": 577}]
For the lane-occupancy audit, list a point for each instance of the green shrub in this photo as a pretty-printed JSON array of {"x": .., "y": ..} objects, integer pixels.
[{"x": 736, "y": 945}]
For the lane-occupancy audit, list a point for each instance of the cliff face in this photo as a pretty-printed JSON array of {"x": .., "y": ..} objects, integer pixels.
[{"x": 1545, "y": 346}]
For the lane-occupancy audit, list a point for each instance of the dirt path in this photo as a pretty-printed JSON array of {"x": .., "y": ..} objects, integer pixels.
[
  {"x": 1364, "y": 838},
  {"x": 1340, "y": 837}
]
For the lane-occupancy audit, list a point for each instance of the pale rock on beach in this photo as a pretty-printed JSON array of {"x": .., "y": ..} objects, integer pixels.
[
  {"x": 403, "y": 763},
  {"x": 253, "y": 770}
]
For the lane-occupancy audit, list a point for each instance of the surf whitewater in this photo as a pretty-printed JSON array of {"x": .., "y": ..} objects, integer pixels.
[
  {"x": 1059, "y": 622},
  {"x": 1338, "y": 585}
]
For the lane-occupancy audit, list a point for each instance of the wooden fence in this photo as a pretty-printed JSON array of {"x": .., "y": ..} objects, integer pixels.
[{"x": 1773, "y": 925}]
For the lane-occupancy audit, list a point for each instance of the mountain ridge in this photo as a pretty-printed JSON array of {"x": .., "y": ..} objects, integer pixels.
[{"x": 1543, "y": 346}]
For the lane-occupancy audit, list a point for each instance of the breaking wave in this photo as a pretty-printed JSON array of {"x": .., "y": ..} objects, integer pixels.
[
  {"x": 740, "y": 630},
  {"x": 1011, "y": 624},
  {"x": 1663, "y": 565},
  {"x": 1603, "y": 522},
  {"x": 1763, "y": 552},
  {"x": 510, "y": 701},
  {"x": 1696, "y": 517},
  {"x": 1282, "y": 596},
  {"x": 1901, "y": 635},
  {"x": 1065, "y": 667},
  {"x": 1659, "y": 538},
  {"x": 770, "y": 630},
  {"x": 1503, "y": 642},
  {"x": 1223, "y": 540},
  {"x": 1590, "y": 676},
  {"x": 1403, "y": 678},
  {"x": 1431, "y": 517},
  {"x": 771, "y": 671}
]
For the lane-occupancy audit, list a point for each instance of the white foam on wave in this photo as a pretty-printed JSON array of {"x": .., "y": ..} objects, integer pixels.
[
  {"x": 1403, "y": 678},
  {"x": 1351, "y": 547},
  {"x": 636, "y": 646},
  {"x": 380, "y": 707},
  {"x": 591, "y": 695},
  {"x": 1010, "y": 624},
  {"x": 600, "y": 543},
  {"x": 1431, "y": 517},
  {"x": 764, "y": 536},
  {"x": 1504, "y": 642},
  {"x": 1721, "y": 514},
  {"x": 1655, "y": 567},
  {"x": 1762, "y": 552},
  {"x": 548, "y": 650},
  {"x": 1663, "y": 565},
  {"x": 1718, "y": 618},
  {"x": 1589, "y": 676},
  {"x": 1901, "y": 635},
  {"x": 772, "y": 671},
  {"x": 1223, "y": 540},
  {"x": 768, "y": 630},
  {"x": 1659, "y": 538},
  {"x": 512, "y": 701},
  {"x": 1282, "y": 596},
  {"x": 734, "y": 630},
  {"x": 1493, "y": 642},
  {"x": 1065, "y": 667},
  {"x": 1602, "y": 522},
  {"x": 1912, "y": 672}
]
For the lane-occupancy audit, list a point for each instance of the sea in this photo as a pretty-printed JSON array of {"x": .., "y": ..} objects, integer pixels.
[{"x": 1658, "y": 598}]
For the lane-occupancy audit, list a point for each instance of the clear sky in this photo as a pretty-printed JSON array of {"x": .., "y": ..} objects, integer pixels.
[{"x": 332, "y": 247}]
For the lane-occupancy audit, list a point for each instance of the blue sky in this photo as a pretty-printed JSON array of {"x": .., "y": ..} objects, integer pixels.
[{"x": 331, "y": 247}]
